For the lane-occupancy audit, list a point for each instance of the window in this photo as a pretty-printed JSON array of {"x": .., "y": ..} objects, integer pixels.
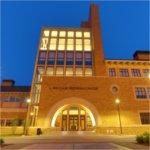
[
  {"x": 61, "y": 45},
  {"x": 51, "y": 58},
  {"x": 88, "y": 71},
  {"x": 146, "y": 72},
  {"x": 87, "y": 45},
  {"x": 53, "y": 42},
  {"x": 124, "y": 72},
  {"x": 60, "y": 58},
  {"x": 86, "y": 34},
  {"x": 70, "y": 44},
  {"x": 40, "y": 71},
  {"x": 69, "y": 58},
  {"x": 69, "y": 71},
  {"x": 112, "y": 72},
  {"x": 88, "y": 58},
  {"x": 79, "y": 58},
  {"x": 44, "y": 42},
  {"x": 50, "y": 71},
  {"x": 78, "y": 34},
  {"x": 70, "y": 34},
  {"x": 62, "y": 33},
  {"x": 145, "y": 117},
  {"x": 59, "y": 71},
  {"x": 140, "y": 92},
  {"x": 8, "y": 122},
  {"x": 79, "y": 71},
  {"x": 46, "y": 33},
  {"x": 54, "y": 33},
  {"x": 2, "y": 122},
  {"x": 79, "y": 44},
  {"x": 148, "y": 92},
  {"x": 135, "y": 72},
  {"x": 42, "y": 57}
]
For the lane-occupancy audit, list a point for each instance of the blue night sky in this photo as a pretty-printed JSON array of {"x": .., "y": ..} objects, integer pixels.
[{"x": 124, "y": 30}]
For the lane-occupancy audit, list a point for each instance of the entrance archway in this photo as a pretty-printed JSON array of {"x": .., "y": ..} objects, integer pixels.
[{"x": 73, "y": 118}]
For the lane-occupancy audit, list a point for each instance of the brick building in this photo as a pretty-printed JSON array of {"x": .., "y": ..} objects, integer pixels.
[{"x": 74, "y": 87}]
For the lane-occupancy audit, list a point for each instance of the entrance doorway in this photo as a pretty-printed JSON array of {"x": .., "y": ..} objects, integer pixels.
[{"x": 75, "y": 119}]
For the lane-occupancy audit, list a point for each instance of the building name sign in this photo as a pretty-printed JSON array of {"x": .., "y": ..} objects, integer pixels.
[{"x": 72, "y": 88}]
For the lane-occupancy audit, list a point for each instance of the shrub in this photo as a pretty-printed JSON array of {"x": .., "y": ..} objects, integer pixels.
[
  {"x": 139, "y": 139},
  {"x": 144, "y": 138},
  {"x": 1, "y": 141}
]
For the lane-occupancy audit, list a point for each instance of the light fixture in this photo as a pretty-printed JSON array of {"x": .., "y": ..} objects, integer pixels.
[
  {"x": 117, "y": 101},
  {"x": 31, "y": 114},
  {"x": 28, "y": 100}
]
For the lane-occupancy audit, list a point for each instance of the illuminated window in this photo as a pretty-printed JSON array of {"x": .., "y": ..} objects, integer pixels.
[
  {"x": 42, "y": 57},
  {"x": 46, "y": 33},
  {"x": 61, "y": 45},
  {"x": 53, "y": 42},
  {"x": 59, "y": 71},
  {"x": 86, "y": 34},
  {"x": 60, "y": 58},
  {"x": 87, "y": 45},
  {"x": 140, "y": 92},
  {"x": 78, "y": 34},
  {"x": 79, "y": 71},
  {"x": 44, "y": 43},
  {"x": 62, "y": 33},
  {"x": 136, "y": 72},
  {"x": 145, "y": 117},
  {"x": 88, "y": 71},
  {"x": 79, "y": 58},
  {"x": 51, "y": 58},
  {"x": 88, "y": 58},
  {"x": 79, "y": 44},
  {"x": 124, "y": 72},
  {"x": 39, "y": 73},
  {"x": 54, "y": 33},
  {"x": 69, "y": 71},
  {"x": 70, "y": 44},
  {"x": 50, "y": 71},
  {"x": 69, "y": 58},
  {"x": 146, "y": 72},
  {"x": 112, "y": 72},
  {"x": 70, "y": 33}
]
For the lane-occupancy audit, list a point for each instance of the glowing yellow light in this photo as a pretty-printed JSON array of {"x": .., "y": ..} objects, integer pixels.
[
  {"x": 31, "y": 113},
  {"x": 28, "y": 100},
  {"x": 117, "y": 101},
  {"x": 149, "y": 76}
]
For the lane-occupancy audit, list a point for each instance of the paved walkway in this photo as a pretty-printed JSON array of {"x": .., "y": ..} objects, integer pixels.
[{"x": 73, "y": 141}]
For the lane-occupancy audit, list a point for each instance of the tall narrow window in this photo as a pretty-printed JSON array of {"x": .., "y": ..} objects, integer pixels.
[
  {"x": 70, "y": 34},
  {"x": 87, "y": 45},
  {"x": 50, "y": 71},
  {"x": 79, "y": 58},
  {"x": 54, "y": 33},
  {"x": 78, "y": 34},
  {"x": 124, "y": 72},
  {"x": 62, "y": 33},
  {"x": 79, "y": 71},
  {"x": 88, "y": 71},
  {"x": 88, "y": 58},
  {"x": 42, "y": 57},
  {"x": 51, "y": 58},
  {"x": 44, "y": 43},
  {"x": 53, "y": 42},
  {"x": 46, "y": 33},
  {"x": 140, "y": 93},
  {"x": 69, "y": 71},
  {"x": 145, "y": 117},
  {"x": 61, "y": 45},
  {"x": 86, "y": 34},
  {"x": 70, "y": 44},
  {"x": 69, "y": 58},
  {"x": 59, "y": 71},
  {"x": 79, "y": 44},
  {"x": 60, "y": 58},
  {"x": 136, "y": 72},
  {"x": 146, "y": 72},
  {"x": 112, "y": 72},
  {"x": 39, "y": 73}
]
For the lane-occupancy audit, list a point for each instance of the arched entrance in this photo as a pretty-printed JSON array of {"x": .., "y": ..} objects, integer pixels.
[{"x": 74, "y": 118}]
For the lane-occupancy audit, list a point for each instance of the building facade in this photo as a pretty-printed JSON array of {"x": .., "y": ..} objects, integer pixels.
[{"x": 74, "y": 87}]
